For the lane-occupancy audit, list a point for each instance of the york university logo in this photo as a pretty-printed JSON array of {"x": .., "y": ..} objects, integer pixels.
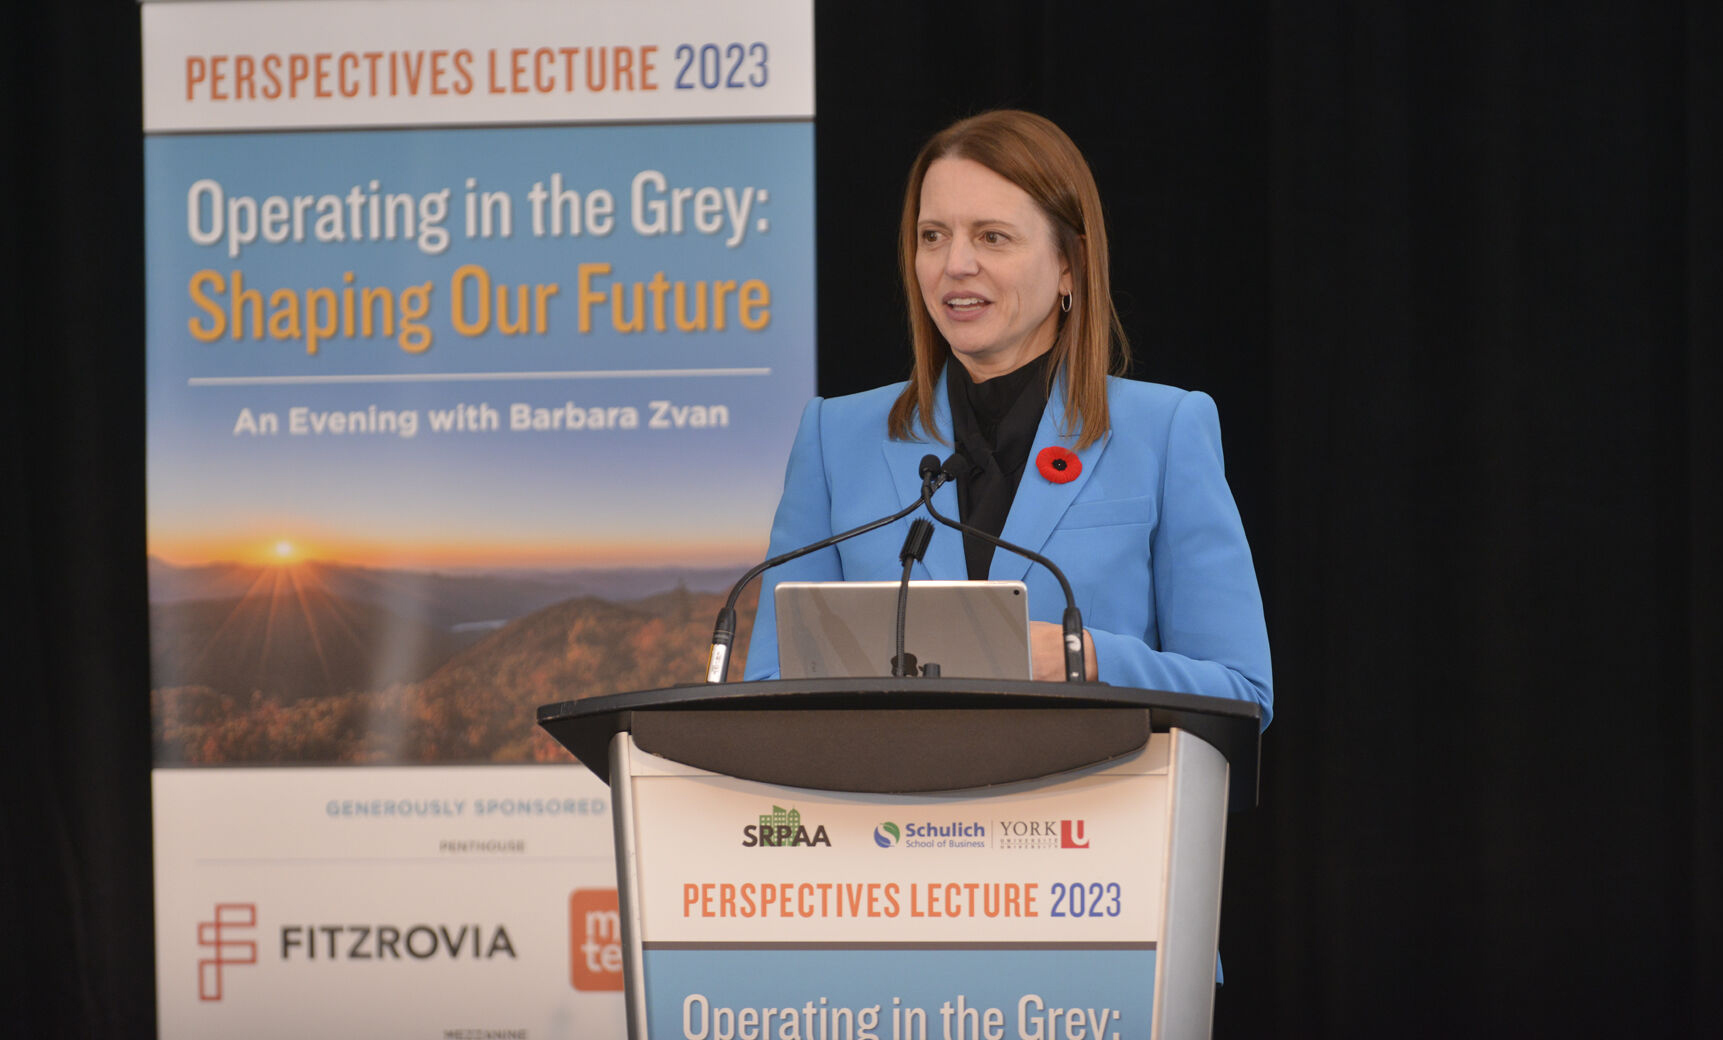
[
  {"x": 887, "y": 835},
  {"x": 782, "y": 828},
  {"x": 1042, "y": 834}
]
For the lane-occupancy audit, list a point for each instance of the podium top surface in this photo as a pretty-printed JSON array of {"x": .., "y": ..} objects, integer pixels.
[{"x": 585, "y": 727}]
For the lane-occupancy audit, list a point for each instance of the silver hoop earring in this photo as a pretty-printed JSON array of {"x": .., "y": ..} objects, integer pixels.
[{"x": 1065, "y": 303}]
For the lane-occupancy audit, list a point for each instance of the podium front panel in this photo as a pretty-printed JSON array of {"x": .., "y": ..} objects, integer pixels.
[{"x": 1031, "y": 910}]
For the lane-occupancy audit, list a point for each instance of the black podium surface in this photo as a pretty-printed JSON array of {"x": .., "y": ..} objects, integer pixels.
[{"x": 902, "y": 734}]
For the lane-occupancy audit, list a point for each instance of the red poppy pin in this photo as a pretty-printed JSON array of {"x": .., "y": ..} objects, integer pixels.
[{"x": 1060, "y": 465}]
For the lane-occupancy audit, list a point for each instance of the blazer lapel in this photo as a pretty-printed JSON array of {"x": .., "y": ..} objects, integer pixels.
[
  {"x": 1040, "y": 504},
  {"x": 944, "y": 557}
]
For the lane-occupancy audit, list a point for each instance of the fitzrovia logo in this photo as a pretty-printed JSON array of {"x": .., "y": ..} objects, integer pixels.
[
  {"x": 229, "y": 942},
  {"x": 393, "y": 942},
  {"x": 595, "y": 940},
  {"x": 781, "y": 828},
  {"x": 226, "y": 950}
]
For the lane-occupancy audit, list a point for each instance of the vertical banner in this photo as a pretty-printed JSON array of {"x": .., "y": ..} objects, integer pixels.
[{"x": 475, "y": 333}]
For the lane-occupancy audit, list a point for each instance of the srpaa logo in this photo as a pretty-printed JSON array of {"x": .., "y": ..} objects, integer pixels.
[
  {"x": 595, "y": 940},
  {"x": 782, "y": 827},
  {"x": 886, "y": 835},
  {"x": 229, "y": 918}
]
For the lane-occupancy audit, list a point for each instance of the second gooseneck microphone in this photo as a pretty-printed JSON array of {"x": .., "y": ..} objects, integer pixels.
[{"x": 914, "y": 548}]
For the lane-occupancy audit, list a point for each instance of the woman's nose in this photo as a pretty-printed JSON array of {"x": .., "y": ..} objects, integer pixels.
[{"x": 961, "y": 258}]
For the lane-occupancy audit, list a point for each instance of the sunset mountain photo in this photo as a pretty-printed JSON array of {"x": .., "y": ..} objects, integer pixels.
[{"x": 323, "y": 662}]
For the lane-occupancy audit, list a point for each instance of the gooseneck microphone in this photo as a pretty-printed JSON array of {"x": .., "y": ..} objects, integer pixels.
[
  {"x": 1072, "y": 623},
  {"x": 724, "y": 631},
  {"x": 914, "y": 548}
]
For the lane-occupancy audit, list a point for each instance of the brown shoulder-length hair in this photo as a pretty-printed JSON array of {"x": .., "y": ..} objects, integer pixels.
[{"x": 1035, "y": 155}]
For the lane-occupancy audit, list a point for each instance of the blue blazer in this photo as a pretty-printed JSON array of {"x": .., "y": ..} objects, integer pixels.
[{"x": 1147, "y": 533}]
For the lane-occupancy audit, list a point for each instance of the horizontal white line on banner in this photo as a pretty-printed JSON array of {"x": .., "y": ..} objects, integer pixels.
[
  {"x": 284, "y": 65},
  {"x": 471, "y": 377},
  {"x": 931, "y": 944},
  {"x": 464, "y": 857},
  {"x": 534, "y": 124}
]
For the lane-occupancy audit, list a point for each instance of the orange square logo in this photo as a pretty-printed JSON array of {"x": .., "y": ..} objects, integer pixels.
[{"x": 594, "y": 939}]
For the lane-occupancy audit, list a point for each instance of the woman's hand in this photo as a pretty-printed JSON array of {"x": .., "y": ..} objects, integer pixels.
[{"x": 1047, "y": 652}]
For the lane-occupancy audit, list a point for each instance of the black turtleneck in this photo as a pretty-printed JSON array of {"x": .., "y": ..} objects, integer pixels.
[{"x": 994, "y": 424}]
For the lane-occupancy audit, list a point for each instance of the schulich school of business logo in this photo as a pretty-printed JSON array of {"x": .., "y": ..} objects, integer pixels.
[{"x": 958, "y": 834}]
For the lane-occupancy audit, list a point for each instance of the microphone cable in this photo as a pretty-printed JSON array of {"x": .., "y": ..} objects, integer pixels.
[{"x": 1072, "y": 622}]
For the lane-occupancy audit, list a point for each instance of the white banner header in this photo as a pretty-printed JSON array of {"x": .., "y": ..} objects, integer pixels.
[
  {"x": 375, "y": 63},
  {"x": 723, "y": 860}
]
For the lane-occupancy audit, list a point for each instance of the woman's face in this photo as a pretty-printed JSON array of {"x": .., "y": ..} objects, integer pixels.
[{"x": 990, "y": 270}]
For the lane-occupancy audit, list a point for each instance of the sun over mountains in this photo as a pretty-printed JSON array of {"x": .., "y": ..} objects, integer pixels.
[{"x": 320, "y": 662}]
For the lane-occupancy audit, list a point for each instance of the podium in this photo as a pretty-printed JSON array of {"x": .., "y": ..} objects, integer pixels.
[{"x": 900, "y": 859}]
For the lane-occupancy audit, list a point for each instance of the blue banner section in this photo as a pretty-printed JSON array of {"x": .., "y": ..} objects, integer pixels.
[
  {"x": 398, "y": 209},
  {"x": 444, "y": 424},
  {"x": 1055, "y": 993},
  {"x": 591, "y": 331}
]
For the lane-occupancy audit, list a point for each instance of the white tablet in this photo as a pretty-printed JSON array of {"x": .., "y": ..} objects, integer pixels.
[{"x": 848, "y": 629}]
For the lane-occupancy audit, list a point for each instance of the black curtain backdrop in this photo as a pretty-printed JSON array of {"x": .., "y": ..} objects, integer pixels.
[{"x": 1452, "y": 272}]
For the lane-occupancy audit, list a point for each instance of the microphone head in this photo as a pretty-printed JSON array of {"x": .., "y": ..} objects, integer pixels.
[
  {"x": 948, "y": 469},
  {"x": 929, "y": 466}
]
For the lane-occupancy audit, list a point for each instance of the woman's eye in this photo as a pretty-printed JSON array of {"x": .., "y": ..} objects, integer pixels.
[
  {"x": 929, "y": 235},
  {"x": 992, "y": 238}
]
